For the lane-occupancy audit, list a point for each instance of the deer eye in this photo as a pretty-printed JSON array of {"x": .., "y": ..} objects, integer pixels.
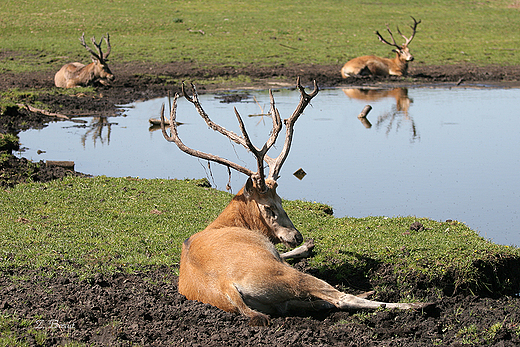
[{"x": 270, "y": 212}]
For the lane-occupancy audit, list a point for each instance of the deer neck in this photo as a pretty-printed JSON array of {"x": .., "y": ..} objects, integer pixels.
[
  {"x": 243, "y": 213},
  {"x": 401, "y": 65}
]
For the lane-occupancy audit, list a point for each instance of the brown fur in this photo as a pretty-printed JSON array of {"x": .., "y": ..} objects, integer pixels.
[
  {"x": 233, "y": 264},
  {"x": 373, "y": 65},
  {"x": 76, "y": 74}
]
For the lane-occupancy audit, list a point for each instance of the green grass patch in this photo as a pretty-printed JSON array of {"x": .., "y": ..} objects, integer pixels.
[
  {"x": 101, "y": 224},
  {"x": 43, "y": 35}
]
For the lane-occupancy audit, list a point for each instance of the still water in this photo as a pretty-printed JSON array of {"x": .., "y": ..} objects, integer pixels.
[{"x": 442, "y": 153}]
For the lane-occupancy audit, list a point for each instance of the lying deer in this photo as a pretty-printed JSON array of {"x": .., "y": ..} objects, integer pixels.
[
  {"x": 373, "y": 65},
  {"x": 233, "y": 263},
  {"x": 77, "y": 74}
]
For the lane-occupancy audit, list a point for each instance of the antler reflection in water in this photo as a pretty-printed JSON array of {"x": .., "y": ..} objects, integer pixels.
[
  {"x": 95, "y": 128},
  {"x": 398, "y": 117},
  {"x": 399, "y": 112}
]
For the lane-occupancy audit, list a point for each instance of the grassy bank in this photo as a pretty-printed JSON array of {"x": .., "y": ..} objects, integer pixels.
[
  {"x": 238, "y": 33},
  {"x": 122, "y": 224}
]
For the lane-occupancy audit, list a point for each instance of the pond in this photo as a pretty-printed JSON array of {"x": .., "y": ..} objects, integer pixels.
[{"x": 436, "y": 152}]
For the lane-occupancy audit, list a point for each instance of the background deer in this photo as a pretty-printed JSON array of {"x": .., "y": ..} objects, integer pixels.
[
  {"x": 77, "y": 74},
  {"x": 373, "y": 65},
  {"x": 233, "y": 263}
]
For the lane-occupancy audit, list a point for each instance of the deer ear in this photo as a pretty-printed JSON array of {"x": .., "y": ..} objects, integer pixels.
[{"x": 248, "y": 188}]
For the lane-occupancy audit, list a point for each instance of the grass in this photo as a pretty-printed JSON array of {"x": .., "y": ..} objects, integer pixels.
[
  {"x": 103, "y": 224},
  {"x": 43, "y": 35}
]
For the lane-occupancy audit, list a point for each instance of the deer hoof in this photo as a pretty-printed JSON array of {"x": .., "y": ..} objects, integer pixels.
[{"x": 259, "y": 320}]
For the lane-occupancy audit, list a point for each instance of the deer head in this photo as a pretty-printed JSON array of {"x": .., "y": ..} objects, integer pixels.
[
  {"x": 259, "y": 189},
  {"x": 101, "y": 71},
  {"x": 402, "y": 51}
]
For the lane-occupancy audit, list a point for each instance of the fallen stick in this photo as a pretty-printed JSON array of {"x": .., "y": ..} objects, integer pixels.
[{"x": 47, "y": 113}]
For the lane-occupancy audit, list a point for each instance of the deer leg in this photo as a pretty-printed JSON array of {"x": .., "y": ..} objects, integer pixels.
[
  {"x": 312, "y": 286},
  {"x": 235, "y": 299}
]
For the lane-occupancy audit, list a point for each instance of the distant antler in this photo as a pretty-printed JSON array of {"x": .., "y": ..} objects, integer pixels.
[
  {"x": 414, "y": 28},
  {"x": 391, "y": 36},
  {"x": 244, "y": 140},
  {"x": 109, "y": 48},
  {"x": 99, "y": 55},
  {"x": 408, "y": 40}
]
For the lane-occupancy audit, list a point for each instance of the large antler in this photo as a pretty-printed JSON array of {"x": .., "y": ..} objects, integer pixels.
[
  {"x": 414, "y": 28},
  {"x": 99, "y": 55},
  {"x": 244, "y": 140},
  {"x": 408, "y": 40},
  {"x": 276, "y": 164},
  {"x": 391, "y": 36}
]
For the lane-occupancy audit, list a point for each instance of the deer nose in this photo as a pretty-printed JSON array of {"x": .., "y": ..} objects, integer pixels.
[{"x": 293, "y": 239}]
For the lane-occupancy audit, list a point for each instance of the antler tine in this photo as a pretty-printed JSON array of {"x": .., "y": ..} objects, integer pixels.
[
  {"x": 276, "y": 164},
  {"x": 277, "y": 123},
  {"x": 174, "y": 137},
  {"x": 109, "y": 48},
  {"x": 194, "y": 99},
  {"x": 82, "y": 40},
  {"x": 261, "y": 154},
  {"x": 391, "y": 35},
  {"x": 245, "y": 141},
  {"x": 414, "y": 28},
  {"x": 98, "y": 46},
  {"x": 385, "y": 41}
]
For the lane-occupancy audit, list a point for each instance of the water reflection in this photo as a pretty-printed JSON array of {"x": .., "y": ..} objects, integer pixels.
[
  {"x": 458, "y": 169},
  {"x": 95, "y": 131},
  {"x": 397, "y": 115}
]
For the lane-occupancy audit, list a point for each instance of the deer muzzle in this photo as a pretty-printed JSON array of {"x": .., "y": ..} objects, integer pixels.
[{"x": 290, "y": 237}]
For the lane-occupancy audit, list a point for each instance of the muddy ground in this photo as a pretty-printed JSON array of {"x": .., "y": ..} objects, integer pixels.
[{"x": 144, "y": 308}]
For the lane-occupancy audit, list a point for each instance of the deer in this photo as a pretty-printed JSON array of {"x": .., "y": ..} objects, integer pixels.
[
  {"x": 374, "y": 65},
  {"x": 76, "y": 74},
  {"x": 233, "y": 263}
]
